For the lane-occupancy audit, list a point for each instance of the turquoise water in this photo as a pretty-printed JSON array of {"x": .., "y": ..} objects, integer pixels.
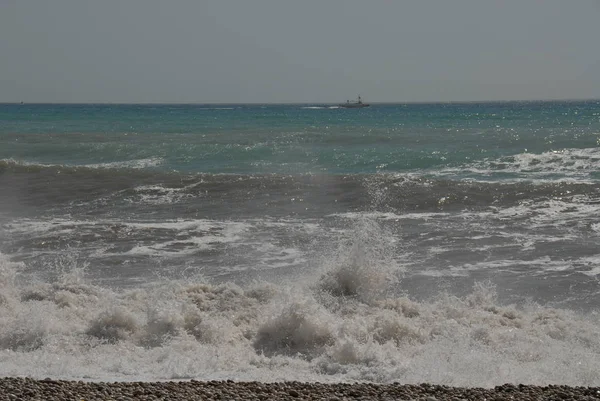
[{"x": 293, "y": 138}]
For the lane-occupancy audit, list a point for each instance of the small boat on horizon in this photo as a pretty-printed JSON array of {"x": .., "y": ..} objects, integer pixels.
[{"x": 354, "y": 104}]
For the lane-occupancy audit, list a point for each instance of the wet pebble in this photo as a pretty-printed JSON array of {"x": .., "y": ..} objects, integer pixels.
[{"x": 49, "y": 389}]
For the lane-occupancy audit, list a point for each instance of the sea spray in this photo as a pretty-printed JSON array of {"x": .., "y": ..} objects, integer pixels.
[
  {"x": 276, "y": 331},
  {"x": 361, "y": 266}
]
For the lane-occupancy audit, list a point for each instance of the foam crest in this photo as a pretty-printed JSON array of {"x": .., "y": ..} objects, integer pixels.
[
  {"x": 113, "y": 326},
  {"x": 300, "y": 328},
  {"x": 290, "y": 331},
  {"x": 8, "y": 273},
  {"x": 363, "y": 264},
  {"x": 130, "y": 164},
  {"x": 137, "y": 164},
  {"x": 565, "y": 164},
  {"x": 159, "y": 195}
]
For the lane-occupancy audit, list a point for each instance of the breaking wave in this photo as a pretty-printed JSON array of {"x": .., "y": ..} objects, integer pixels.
[
  {"x": 342, "y": 320},
  {"x": 571, "y": 165}
]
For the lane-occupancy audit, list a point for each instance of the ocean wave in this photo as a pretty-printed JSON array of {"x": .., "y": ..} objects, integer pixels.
[
  {"x": 137, "y": 164},
  {"x": 283, "y": 194},
  {"x": 565, "y": 165},
  {"x": 319, "y": 107},
  {"x": 221, "y": 247},
  {"x": 333, "y": 327},
  {"x": 215, "y": 108},
  {"x": 129, "y": 164}
]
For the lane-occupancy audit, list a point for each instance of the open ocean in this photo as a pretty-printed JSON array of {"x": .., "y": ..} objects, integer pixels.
[{"x": 449, "y": 243}]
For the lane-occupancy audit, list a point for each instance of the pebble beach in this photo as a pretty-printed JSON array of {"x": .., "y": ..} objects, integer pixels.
[{"x": 12, "y": 388}]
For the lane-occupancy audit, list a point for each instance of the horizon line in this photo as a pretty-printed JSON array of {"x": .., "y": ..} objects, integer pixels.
[{"x": 301, "y": 103}]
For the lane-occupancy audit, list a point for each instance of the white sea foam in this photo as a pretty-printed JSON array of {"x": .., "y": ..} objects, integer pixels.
[
  {"x": 159, "y": 195},
  {"x": 568, "y": 165},
  {"x": 529, "y": 239},
  {"x": 392, "y": 216},
  {"x": 208, "y": 236},
  {"x": 338, "y": 319},
  {"x": 134, "y": 164},
  {"x": 216, "y": 108},
  {"x": 288, "y": 331},
  {"x": 593, "y": 263},
  {"x": 319, "y": 107},
  {"x": 252, "y": 245},
  {"x": 24, "y": 162}
]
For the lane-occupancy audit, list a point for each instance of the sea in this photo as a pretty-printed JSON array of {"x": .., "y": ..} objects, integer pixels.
[{"x": 448, "y": 243}]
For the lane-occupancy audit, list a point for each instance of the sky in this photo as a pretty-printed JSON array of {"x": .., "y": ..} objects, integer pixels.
[{"x": 309, "y": 51}]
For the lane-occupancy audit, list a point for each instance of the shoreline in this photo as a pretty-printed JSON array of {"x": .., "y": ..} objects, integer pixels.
[{"x": 15, "y": 388}]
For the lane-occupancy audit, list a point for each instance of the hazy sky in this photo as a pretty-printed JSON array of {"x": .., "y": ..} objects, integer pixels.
[{"x": 298, "y": 51}]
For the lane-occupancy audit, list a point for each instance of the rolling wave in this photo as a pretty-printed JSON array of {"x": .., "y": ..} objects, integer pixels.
[{"x": 340, "y": 325}]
